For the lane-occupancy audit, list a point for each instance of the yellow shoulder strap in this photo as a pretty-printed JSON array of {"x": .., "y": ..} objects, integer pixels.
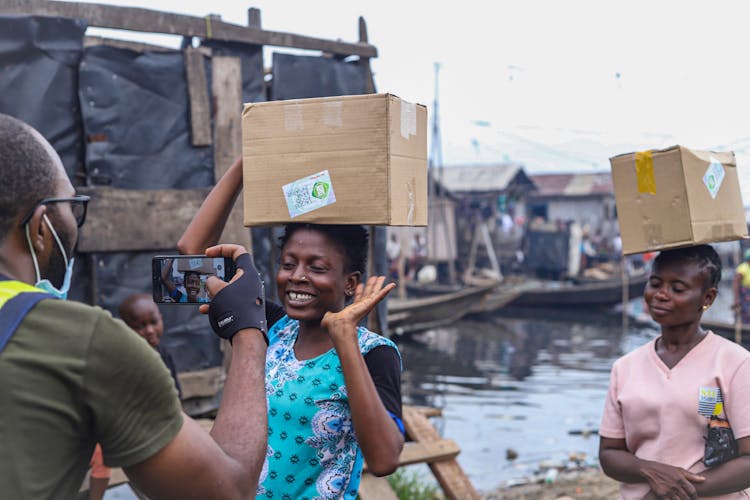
[{"x": 11, "y": 288}]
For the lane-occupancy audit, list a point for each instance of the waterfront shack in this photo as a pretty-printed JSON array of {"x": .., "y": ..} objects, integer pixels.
[{"x": 491, "y": 210}]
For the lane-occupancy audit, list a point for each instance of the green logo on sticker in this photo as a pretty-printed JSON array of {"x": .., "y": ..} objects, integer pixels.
[
  {"x": 711, "y": 182},
  {"x": 320, "y": 190}
]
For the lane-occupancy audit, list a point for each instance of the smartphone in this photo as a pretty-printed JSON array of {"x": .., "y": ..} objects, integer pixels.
[{"x": 181, "y": 279}]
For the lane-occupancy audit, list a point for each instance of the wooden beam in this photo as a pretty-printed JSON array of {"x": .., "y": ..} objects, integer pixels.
[
  {"x": 365, "y": 61},
  {"x": 200, "y": 113},
  {"x": 375, "y": 488},
  {"x": 253, "y": 18},
  {"x": 153, "y": 21},
  {"x": 226, "y": 85},
  {"x": 123, "y": 220},
  {"x": 426, "y": 452},
  {"x": 454, "y": 482}
]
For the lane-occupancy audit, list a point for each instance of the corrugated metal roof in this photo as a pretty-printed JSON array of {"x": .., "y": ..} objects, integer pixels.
[
  {"x": 573, "y": 184},
  {"x": 482, "y": 178}
]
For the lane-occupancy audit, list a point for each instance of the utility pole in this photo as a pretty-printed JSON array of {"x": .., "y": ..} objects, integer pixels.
[{"x": 435, "y": 178}]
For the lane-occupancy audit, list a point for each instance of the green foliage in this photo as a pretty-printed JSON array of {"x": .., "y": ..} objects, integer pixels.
[{"x": 409, "y": 486}]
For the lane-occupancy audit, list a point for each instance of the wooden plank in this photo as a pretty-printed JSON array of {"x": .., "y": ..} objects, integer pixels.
[
  {"x": 226, "y": 86},
  {"x": 122, "y": 220},
  {"x": 152, "y": 21},
  {"x": 201, "y": 383},
  {"x": 200, "y": 117},
  {"x": 415, "y": 452},
  {"x": 365, "y": 61},
  {"x": 375, "y": 488},
  {"x": 449, "y": 474},
  {"x": 428, "y": 411}
]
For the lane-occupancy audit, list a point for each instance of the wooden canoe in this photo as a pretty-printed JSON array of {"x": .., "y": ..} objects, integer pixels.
[{"x": 411, "y": 315}]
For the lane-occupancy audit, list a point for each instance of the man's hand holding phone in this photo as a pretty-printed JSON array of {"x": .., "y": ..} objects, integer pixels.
[{"x": 240, "y": 303}]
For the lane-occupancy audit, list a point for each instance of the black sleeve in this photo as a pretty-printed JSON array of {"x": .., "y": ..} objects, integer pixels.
[
  {"x": 274, "y": 312},
  {"x": 166, "y": 356},
  {"x": 385, "y": 369}
]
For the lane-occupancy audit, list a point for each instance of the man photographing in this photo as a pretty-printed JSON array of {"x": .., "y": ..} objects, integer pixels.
[{"x": 73, "y": 376}]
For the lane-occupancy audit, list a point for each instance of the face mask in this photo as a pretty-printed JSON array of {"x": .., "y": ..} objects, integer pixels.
[{"x": 45, "y": 284}]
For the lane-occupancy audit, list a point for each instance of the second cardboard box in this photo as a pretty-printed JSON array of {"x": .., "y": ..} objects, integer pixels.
[{"x": 677, "y": 197}]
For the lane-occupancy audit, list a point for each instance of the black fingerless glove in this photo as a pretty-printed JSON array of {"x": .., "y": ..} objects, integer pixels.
[{"x": 241, "y": 304}]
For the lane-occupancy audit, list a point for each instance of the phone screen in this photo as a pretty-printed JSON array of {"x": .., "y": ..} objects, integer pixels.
[{"x": 181, "y": 279}]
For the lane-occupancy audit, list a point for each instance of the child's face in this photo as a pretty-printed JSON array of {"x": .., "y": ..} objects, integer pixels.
[{"x": 144, "y": 317}]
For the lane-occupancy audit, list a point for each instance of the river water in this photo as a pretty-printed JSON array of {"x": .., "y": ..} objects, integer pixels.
[{"x": 530, "y": 384}]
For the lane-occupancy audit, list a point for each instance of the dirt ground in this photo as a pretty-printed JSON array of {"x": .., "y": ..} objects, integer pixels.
[{"x": 589, "y": 484}]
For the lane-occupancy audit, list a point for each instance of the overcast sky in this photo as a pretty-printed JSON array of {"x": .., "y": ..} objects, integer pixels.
[{"x": 554, "y": 85}]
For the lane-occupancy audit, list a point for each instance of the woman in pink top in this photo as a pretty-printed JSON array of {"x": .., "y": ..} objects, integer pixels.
[{"x": 663, "y": 394}]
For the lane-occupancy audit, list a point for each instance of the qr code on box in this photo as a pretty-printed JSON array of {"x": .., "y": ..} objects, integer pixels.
[{"x": 309, "y": 193}]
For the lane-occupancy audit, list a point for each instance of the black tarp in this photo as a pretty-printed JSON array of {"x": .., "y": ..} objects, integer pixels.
[
  {"x": 39, "y": 80},
  {"x": 300, "y": 77},
  {"x": 136, "y": 117},
  {"x": 251, "y": 60}
]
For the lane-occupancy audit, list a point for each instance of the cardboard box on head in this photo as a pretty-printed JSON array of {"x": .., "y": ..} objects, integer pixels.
[
  {"x": 677, "y": 197},
  {"x": 358, "y": 159}
]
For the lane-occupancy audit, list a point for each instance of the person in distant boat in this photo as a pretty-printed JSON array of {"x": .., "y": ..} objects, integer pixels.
[
  {"x": 333, "y": 387},
  {"x": 741, "y": 288},
  {"x": 140, "y": 313},
  {"x": 669, "y": 399}
]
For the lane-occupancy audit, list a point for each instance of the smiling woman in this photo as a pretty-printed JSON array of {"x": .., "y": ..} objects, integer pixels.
[
  {"x": 333, "y": 387},
  {"x": 668, "y": 398}
]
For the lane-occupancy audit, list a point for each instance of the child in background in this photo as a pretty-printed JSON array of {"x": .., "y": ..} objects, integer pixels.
[{"x": 140, "y": 313}]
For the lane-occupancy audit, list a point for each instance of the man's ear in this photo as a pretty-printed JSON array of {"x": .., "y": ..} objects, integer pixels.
[{"x": 38, "y": 230}]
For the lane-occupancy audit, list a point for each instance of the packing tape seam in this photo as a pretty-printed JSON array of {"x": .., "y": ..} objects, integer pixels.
[
  {"x": 332, "y": 114},
  {"x": 411, "y": 202},
  {"x": 293, "y": 119},
  {"x": 408, "y": 119}
]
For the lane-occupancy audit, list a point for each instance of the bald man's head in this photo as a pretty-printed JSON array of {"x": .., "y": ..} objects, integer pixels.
[{"x": 29, "y": 171}]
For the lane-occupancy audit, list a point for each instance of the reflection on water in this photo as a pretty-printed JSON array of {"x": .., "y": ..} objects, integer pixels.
[{"x": 535, "y": 386}]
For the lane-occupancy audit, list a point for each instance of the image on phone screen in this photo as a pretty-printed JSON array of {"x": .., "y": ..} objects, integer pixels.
[{"x": 181, "y": 279}]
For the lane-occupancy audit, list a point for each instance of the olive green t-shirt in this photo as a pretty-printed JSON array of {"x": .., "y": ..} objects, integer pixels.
[{"x": 72, "y": 376}]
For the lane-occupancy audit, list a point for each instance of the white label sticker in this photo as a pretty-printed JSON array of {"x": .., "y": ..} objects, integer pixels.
[
  {"x": 714, "y": 176},
  {"x": 308, "y": 194},
  {"x": 195, "y": 262},
  {"x": 708, "y": 398}
]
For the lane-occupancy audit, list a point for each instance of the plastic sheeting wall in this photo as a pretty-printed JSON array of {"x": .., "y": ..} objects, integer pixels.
[
  {"x": 300, "y": 77},
  {"x": 251, "y": 60},
  {"x": 135, "y": 111},
  {"x": 39, "y": 80},
  {"x": 135, "y": 116}
]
